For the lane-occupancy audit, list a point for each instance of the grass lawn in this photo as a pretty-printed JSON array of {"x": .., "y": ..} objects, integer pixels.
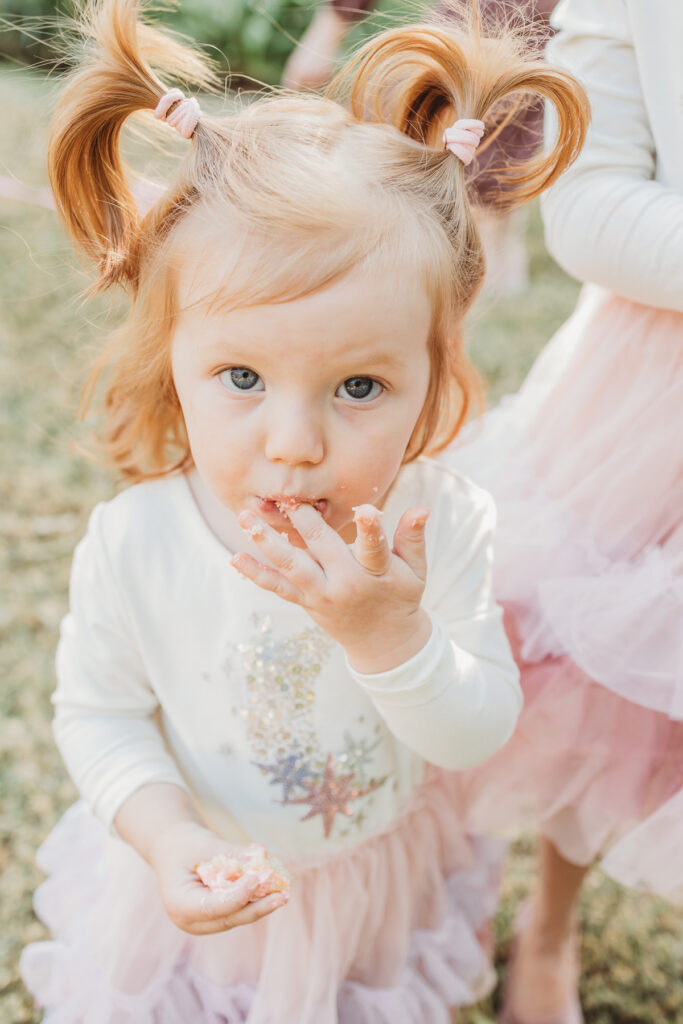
[{"x": 632, "y": 950}]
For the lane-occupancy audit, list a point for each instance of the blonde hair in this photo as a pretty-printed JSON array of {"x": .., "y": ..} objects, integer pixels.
[{"x": 304, "y": 187}]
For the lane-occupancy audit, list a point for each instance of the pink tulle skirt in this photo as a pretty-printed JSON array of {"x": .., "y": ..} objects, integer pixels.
[
  {"x": 392, "y": 932},
  {"x": 586, "y": 466}
]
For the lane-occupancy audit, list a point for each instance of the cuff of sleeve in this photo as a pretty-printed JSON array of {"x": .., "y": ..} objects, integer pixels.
[{"x": 421, "y": 679}]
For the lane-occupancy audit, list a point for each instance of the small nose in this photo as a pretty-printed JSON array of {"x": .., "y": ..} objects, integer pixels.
[{"x": 295, "y": 435}]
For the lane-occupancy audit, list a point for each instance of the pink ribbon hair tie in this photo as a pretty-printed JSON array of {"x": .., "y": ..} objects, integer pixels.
[
  {"x": 185, "y": 114},
  {"x": 463, "y": 137}
]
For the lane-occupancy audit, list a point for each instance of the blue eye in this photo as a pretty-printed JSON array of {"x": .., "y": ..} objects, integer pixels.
[
  {"x": 360, "y": 389},
  {"x": 241, "y": 379}
]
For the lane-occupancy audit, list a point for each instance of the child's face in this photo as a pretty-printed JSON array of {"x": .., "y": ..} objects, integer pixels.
[{"x": 313, "y": 399}]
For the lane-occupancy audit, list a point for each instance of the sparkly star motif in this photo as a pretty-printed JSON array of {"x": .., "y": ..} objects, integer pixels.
[
  {"x": 278, "y": 675},
  {"x": 331, "y": 795},
  {"x": 358, "y": 753},
  {"x": 289, "y": 772}
]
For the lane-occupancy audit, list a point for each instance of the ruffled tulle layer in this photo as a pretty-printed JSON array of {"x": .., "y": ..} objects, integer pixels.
[
  {"x": 391, "y": 933},
  {"x": 584, "y": 765},
  {"x": 586, "y": 466},
  {"x": 650, "y": 856}
]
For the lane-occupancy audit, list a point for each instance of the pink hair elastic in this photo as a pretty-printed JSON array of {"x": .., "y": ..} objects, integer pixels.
[
  {"x": 180, "y": 112},
  {"x": 463, "y": 137}
]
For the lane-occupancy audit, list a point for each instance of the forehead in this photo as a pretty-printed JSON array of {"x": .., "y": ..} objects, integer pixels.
[{"x": 377, "y": 311}]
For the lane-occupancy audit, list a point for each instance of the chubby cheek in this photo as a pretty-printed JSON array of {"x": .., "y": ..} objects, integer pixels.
[
  {"x": 224, "y": 478},
  {"x": 367, "y": 479},
  {"x": 223, "y": 466},
  {"x": 221, "y": 457},
  {"x": 366, "y": 484}
]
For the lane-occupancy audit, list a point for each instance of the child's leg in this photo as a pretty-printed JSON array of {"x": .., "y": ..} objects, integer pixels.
[{"x": 543, "y": 982}]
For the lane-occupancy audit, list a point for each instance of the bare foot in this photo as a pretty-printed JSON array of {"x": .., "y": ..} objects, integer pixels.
[
  {"x": 312, "y": 61},
  {"x": 544, "y": 980}
]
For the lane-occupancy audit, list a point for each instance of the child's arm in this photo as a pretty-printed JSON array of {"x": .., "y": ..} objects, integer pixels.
[
  {"x": 105, "y": 708},
  {"x": 445, "y": 682},
  {"x": 312, "y": 61},
  {"x": 106, "y": 732},
  {"x": 607, "y": 220}
]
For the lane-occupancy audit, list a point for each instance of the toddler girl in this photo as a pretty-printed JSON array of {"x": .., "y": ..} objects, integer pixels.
[{"x": 267, "y": 640}]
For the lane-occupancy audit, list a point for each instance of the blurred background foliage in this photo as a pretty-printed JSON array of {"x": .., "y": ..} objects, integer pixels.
[{"x": 250, "y": 38}]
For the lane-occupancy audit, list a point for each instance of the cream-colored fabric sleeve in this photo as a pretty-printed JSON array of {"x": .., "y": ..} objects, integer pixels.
[
  {"x": 104, "y": 706},
  {"x": 607, "y": 220},
  {"x": 457, "y": 700}
]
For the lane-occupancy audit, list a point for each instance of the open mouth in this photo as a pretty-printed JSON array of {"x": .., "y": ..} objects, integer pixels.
[{"x": 280, "y": 504}]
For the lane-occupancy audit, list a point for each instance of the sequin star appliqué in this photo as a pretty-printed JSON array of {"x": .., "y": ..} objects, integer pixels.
[
  {"x": 280, "y": 673},
  {"x": 331, "y": 795},
  {"x": 289, "y": 771}
]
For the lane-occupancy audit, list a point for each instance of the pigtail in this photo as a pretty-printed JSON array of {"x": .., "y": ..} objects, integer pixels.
[
  {"x": 422, "y": 78},
  {"x": 114, "y": 80}
]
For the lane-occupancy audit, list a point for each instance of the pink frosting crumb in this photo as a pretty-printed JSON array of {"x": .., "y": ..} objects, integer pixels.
[{"x": 223, "y": 871}]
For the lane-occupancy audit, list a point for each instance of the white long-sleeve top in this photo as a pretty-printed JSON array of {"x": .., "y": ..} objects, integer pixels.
[
  {"x": 174, "y": 668},
  {"x": 615, "y": 218}
]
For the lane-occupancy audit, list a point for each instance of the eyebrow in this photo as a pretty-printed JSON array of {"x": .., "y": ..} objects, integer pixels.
[{"x": 227, "y": 350}]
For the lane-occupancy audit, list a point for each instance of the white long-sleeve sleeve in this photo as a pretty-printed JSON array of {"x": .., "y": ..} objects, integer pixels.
[
  {"x": 105, "y": 710},
  {"x": 615, "y": 218},
  {"x": 457, "y": 700}
]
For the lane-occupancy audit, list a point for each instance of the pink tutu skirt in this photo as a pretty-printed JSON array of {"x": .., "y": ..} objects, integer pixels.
[
  {"x": 586, "y": 466},
  {"x": 391, "y": 932}
]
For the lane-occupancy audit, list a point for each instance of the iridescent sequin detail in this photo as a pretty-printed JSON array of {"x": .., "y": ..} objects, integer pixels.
[
  {"x": 331, "y": 795},
  {"x": 280, "y": 673}
]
